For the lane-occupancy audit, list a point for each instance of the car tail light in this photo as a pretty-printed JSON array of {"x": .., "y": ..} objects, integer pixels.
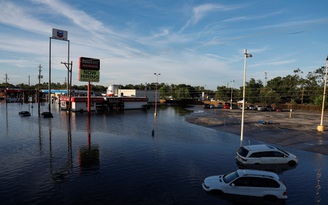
[{"x": 284, "y": 193}]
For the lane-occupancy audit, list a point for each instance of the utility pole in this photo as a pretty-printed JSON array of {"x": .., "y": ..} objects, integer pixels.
[
  {"x": 39, "y": 77},
  {"x": 6, "y": 80},
  {"x": 69, "y": 67}
]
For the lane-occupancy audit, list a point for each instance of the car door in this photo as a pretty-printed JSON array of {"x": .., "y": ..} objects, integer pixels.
[
  {"x": 273, "y": 157},
  {"x": 258, "y": 187},
  {"x": 269, "y": 157},
  {"x": 239, "y": 186}
]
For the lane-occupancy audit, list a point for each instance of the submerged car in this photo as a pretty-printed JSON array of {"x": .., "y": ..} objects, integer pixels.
[
  {"x": 264, "y": 154},
  {"x": 247, "y": 182},
  {"x": 24, "y": 113}
]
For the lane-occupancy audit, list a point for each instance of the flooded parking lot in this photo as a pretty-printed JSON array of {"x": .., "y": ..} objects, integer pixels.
[{"x": 115, "y": 159}]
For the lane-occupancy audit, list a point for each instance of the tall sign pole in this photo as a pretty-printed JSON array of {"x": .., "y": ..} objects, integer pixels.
[
  {"x": 89, "y": 72},
  {"x": 57, "y": 35},
  {"x": 49, "y": 82}
]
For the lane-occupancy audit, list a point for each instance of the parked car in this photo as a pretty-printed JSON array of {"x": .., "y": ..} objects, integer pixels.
[
  {"x": 226, "y": 106},
  {"x": 206, "y": 106},
  {"x": 247, "y": 182},
  {"x": 241, "y": 107},
  {"x": 264, "y": 154},
  {"x": 268, "y": 108},
  {"x": 278, "y": 109},
  {"x": 260, "y": 108},
  {"x": 251, "y": 107},
  {"x": 234, "y": 106},
  {"x": 220, "y": 105}
]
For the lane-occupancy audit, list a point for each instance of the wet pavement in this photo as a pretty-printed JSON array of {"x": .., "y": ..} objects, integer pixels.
[{"x": 296, "y": 129}]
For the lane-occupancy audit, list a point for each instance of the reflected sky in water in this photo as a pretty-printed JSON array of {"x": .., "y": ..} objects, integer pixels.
[{"x": 115, "y": 159}]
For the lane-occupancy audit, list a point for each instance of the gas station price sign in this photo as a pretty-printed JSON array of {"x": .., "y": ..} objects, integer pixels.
[{"x": 89, "y": 69}]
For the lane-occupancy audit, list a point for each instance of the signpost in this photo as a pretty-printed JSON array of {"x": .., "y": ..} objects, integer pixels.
[
  {"x": 89, "y": 72},
  {"x": 57, "y": 34}
]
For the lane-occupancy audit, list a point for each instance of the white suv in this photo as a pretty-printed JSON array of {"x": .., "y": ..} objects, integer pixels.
[
  {"x": 249, "y": 183},
  {"x": 264, "y": 154}
]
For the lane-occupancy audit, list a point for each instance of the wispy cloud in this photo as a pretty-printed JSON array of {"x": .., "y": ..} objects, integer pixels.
[
  {"x": 199, "y": 12},
  {"x": 17, "y": 16},
  {"x": 253, "y": 17},
  {"x": 77, "y": 16}
]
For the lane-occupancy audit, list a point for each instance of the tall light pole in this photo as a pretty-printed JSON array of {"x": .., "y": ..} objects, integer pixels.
[
  {"x": 231, "y": 94},
  {"x": 247, "y": 55},
  {"x": 320, "y": 127},
  {"x": 157, "y": 74}
]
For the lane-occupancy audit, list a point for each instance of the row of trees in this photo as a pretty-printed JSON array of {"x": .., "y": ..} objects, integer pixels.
[{"x": 289, "y": 89}]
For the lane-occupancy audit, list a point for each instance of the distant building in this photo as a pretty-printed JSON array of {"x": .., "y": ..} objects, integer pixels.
[{"x": 114, "y": 90}]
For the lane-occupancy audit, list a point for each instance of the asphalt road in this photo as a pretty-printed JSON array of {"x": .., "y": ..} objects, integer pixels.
[{"x": 297, "y": 129}]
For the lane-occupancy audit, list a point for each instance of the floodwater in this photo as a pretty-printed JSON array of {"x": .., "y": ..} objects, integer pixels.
[{"x": 129, "y": 158}]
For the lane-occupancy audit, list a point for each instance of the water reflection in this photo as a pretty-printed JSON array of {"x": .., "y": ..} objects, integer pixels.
[
  {"x": 59, "y": 170},
  {"x": 89, "y": 154},
  {"x": 318, "y": 187},
  {"x": 154, "y": 127}
]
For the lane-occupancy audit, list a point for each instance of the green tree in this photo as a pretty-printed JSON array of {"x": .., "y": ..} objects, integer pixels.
[{"x": 253, "y": 90}]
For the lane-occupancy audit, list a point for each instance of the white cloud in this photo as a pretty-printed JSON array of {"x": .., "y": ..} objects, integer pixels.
[
  {"x": 199, "y": 12},
  {"x": 17, "y": 16}
]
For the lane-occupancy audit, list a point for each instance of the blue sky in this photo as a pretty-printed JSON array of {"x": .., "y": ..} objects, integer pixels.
[{"x": 194, "y": 42}]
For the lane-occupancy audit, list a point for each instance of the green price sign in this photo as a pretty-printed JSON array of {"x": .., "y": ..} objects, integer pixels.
[{"x": 89, "y": 75}]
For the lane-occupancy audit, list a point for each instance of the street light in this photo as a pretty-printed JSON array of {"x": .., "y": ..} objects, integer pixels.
[
  {"x": 231, "y": 94},
  {"x": 157, "y": 74},
  {"x": 247, "y": 55},
  {"x": 320, "y": 127}
]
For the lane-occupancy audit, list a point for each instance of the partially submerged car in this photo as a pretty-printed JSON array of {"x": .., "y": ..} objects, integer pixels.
[
  {"x": 247, "y": 182},
  {"x": 24, "y": 113},
  {"x": 264, "y": 154}
]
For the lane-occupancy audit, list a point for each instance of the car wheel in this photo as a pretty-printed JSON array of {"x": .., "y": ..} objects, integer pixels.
[{"x": 291, "y": 163}]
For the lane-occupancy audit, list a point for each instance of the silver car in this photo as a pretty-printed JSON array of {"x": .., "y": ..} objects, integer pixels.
[
  {"x": 264, "y": 154},
  {"x": 247, "y": 182}
]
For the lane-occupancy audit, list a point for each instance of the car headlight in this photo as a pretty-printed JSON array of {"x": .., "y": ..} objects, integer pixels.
[{"x": 207, "y": 187}]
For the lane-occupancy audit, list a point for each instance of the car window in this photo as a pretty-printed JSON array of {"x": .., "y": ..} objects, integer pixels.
[
  {"x": 283, "y": 152},
  {"x": 242, "y": 181},
  {"x": 264, "y": 182},
  {"x": 272, "y": 183},
  {"x": 256, "y": 155},
  {"x": 268, "y": 154},
  {"x": 242, "y": 151},
  {"x": 278, "y": 154}
]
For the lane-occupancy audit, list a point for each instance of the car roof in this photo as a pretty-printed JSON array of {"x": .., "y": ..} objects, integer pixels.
[
  {"x": 259, "y": 147},
  {"x": 261, "y": 173}
]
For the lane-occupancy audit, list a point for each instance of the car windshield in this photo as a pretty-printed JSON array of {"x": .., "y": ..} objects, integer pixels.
[{"x": 229, "y": 177}]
